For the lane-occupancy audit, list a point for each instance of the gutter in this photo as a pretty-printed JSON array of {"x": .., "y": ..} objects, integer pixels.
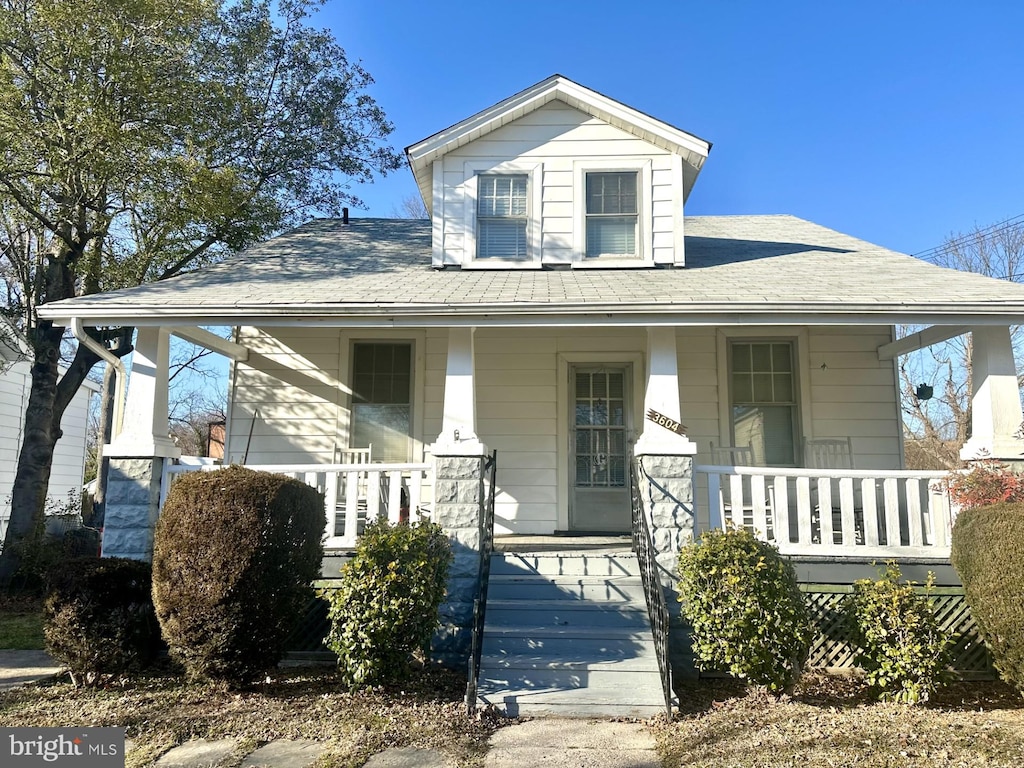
[{"x": 111, "y": 359}]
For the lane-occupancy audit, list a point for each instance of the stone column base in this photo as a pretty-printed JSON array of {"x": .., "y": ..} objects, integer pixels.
[
  {"x": 457, "y": 510},
  {"x": 132, "y": 507}
]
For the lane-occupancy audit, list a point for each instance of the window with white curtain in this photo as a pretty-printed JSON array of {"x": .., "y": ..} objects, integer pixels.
[
  {"x": 764, "y": 400},
  {"x": 502, "y": 214},
  {"x": 382, "y": 399},
  {"x": 612, "y": 213}
]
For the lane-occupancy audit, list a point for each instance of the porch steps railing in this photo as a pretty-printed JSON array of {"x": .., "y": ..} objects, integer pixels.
[
  {"x": 845, "y": 512},
  {"x": 568, "y": 633},
  {"x": 354, "y": 494}
]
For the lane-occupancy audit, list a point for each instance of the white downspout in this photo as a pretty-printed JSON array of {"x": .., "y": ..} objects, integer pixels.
[{"x": 111, "y": 359}]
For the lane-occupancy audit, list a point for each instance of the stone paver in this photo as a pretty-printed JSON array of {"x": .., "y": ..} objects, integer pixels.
[
  {"x": 285, "y": 753},
  {"x": 200, "y": 753},
  {"x": 407, "y": 757},
  {"x": 557, "y": 742},
  {"x": 20, "y": 667}
]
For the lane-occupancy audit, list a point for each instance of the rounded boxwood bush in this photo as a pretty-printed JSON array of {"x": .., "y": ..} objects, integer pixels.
[
  {"x": 99, "y": 619},
  {"x": 988, "y": 554},
  {"x": 386, "y": 606},
  {"x": 746, "y": 613},
  {"x": 235, "y": 554}
]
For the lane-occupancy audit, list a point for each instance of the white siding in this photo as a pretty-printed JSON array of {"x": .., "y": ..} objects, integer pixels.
[
  {"x": 303, "y": 406},
  {"x": 286, "y": 396},
  {"x": 68, "y": 454},
  {"x": 556, "y": 136}
]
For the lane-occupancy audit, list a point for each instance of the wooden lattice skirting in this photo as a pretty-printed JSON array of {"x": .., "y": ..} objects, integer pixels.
[{"x": 832, "y": 647}]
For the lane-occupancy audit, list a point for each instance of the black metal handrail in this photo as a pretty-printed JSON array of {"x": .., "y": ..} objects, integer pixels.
[
  {"x": 657, "y": 608},
  {"x": 487, "y": 489}
]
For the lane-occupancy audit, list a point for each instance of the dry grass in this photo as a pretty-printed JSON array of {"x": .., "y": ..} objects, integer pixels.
[
  {"x": 833, "y": 721},
  {"x": 829, "y": 721},
  {"x": 161, "y": 712}
]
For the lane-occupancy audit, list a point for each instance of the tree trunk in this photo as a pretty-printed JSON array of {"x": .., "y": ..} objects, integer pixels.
[
  {"x": 48, "y": 399},
  {"x": 99, "y": 497}
]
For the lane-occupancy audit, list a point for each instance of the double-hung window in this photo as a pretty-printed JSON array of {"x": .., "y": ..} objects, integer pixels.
[
  {"x": 382, "y": 399},
  {"x": 502, "y": 214},
  {"x": 612, "y": 214},
  {"x": 764, "y": 399}
]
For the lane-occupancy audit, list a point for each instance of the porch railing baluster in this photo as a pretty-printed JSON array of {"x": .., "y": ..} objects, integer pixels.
[
  {"x": 849, "y": 512},
  {"x": 355, "y": 493}
]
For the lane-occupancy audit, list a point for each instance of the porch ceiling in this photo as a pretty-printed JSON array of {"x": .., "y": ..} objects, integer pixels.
[{"x": 740, "y": 270}]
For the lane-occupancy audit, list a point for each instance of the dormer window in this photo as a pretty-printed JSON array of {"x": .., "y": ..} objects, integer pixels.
[
  {"x": 501, "y": 216},
  {"x": 612, "y": 214}
]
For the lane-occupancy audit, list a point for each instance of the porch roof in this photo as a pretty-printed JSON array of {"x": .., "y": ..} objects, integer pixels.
[{"x": 740, "y": 270}]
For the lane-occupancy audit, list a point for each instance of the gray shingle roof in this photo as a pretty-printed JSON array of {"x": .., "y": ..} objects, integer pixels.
[{"x": 739, "y": 268}]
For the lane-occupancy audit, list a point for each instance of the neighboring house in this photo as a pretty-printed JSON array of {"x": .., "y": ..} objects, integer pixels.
[
  {"x": 65, "y": 489},
  {"x": 560, "y": 308}
]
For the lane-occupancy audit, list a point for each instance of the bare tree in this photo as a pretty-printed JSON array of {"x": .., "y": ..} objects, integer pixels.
[
  {"x": 936, "y": 427},
  {"x": 411, "y": 207}
]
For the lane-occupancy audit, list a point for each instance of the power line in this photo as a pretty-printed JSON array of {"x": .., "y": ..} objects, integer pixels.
[{"x": 932, "y": 254}]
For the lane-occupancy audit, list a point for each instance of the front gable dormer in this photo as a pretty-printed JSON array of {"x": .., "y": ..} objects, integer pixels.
[{"x": 557, "y": 175}]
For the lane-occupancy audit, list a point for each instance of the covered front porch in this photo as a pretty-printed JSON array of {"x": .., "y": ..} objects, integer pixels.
[{"x": 519, "y": 391}]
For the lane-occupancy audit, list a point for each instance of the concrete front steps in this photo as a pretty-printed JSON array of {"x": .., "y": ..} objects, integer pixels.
[{"x": 567, "y": 633}]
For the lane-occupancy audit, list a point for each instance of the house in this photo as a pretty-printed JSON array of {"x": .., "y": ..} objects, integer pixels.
[
  {"x": 560, "y": 308},
  {"x": 65, "y": 489}
]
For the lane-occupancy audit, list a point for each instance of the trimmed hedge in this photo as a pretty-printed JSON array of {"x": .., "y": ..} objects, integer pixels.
[
  {"x": 99, "y": 619},
  {"x": 747, "y": 615},
  {"x": 386, "y": 607},
  {"x": 235, "y": 554},
  {"x": 988, "y": 553}
]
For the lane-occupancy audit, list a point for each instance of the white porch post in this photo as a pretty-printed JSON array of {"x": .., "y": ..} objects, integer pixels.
[
  {"x": 138, "y": 453},
  {"x": 458, "y": 427},
  {"x": 995, "y": 399},
  {"x": 145, "y": 431},
  {"x": 662, "y": 396},
  {"x": 459, "y": 460}
]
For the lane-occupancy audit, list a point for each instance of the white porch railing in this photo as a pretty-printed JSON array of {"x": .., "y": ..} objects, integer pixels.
[
  {"x": 354, "y": 494},
  {"x": 844, "y": 512}
]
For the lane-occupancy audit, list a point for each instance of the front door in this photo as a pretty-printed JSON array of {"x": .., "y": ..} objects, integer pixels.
[{"x": 600, "y": 433}]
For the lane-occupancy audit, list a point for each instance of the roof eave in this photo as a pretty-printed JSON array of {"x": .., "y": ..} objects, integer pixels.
[{"x": 590, "y": 314}]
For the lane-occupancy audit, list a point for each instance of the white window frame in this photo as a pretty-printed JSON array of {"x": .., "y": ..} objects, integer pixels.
[
  {"x": 644, "y": 236},
  {"x": 800, "y": 339},
  {"x": 344, "y": 402},
  {"x": 533, "y": 172}
]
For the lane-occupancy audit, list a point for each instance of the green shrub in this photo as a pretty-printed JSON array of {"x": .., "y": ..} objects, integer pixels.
[
  {"x": 235, "y": 555},
  {"x": 746, "y": 612},
  {"x": 903, "y": 651},
  {"x": 98, "y": 618},
  {"x": 988, "y": 553},
  {"x": 387, "y": 605}
]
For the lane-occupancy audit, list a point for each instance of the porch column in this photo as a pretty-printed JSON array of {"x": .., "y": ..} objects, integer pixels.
[
  {"x": 138, "y": 453},
  {"x": 458, "y": 427},
  {"x": 995, "y": 398},
  {"x": 665, "y": 458},
  {"x": 662, "y": 432}
]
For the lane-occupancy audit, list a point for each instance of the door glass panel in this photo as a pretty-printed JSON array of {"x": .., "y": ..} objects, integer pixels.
[{"x": 600, "y": 429}]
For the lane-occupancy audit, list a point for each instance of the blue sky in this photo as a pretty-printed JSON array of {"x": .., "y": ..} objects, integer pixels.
[{"x": 897, "y": 122}]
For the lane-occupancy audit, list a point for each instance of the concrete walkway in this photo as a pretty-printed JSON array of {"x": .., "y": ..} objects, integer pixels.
[
  {"x": 19, "y": 667},
  {"x": 552, "y": 742}
]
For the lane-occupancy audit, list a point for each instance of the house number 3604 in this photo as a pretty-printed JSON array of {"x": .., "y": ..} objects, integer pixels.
[{"x": 664, "y": 421}]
